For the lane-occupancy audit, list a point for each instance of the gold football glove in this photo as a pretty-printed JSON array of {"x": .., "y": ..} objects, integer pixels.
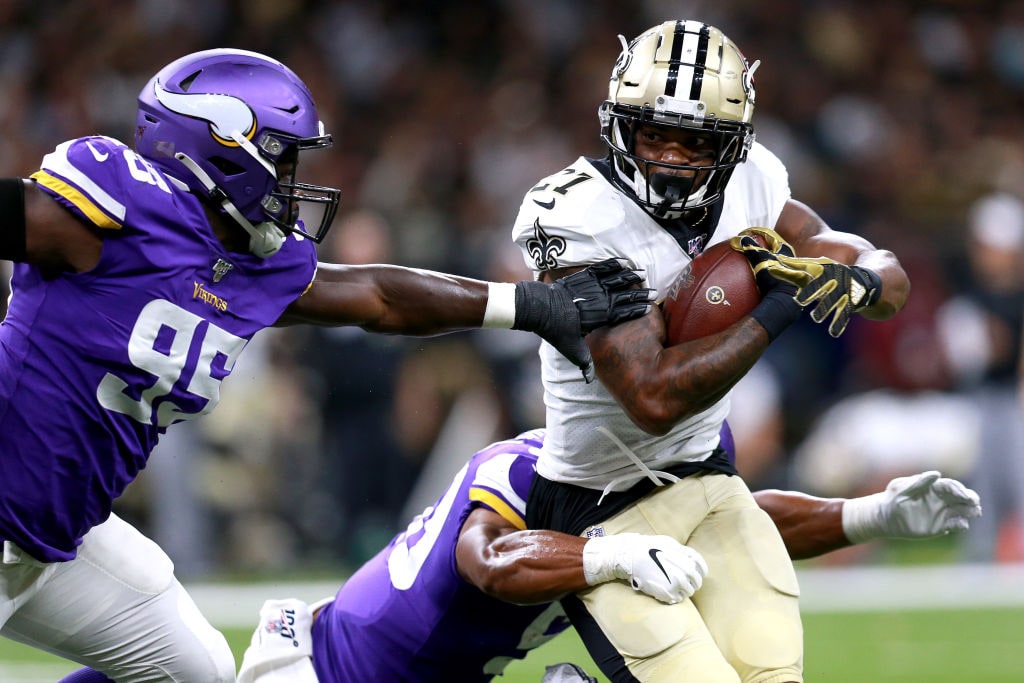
[
  {"x": 838, "y": 289},
  {"x": 769, "y": 271}
]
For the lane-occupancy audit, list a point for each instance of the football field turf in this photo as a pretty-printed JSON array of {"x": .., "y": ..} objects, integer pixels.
[{"x": 911, "y": 626}]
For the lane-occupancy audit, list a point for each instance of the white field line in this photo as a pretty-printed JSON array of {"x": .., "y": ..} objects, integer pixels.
[{"x": 846, "y": 589}]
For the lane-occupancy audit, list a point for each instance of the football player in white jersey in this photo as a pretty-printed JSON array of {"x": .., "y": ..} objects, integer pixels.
[{"x": 638, "y": 450}]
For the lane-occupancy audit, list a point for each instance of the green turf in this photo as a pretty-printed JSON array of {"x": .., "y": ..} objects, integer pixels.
[{"x": 941, "y": 646}]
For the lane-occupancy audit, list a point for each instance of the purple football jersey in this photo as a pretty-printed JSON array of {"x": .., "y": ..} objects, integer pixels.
[
  {"x": 407, "y": 615},
  {"x": 95, "y": 365}
]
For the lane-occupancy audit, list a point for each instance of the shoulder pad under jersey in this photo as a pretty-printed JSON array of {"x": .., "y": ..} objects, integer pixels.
[{"x": 98, "y": 177}]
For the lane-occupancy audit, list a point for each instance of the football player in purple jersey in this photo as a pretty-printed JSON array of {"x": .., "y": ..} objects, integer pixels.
[
  {"x": 141, "y": 272},
  {"x": 466, "y": 588}
]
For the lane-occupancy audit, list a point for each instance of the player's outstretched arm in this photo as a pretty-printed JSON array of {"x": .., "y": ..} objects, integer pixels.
[
  {"x": 396, "y": 300},
  {"x": 919, "y": 506},
  {"x": 535, "y": 566}
]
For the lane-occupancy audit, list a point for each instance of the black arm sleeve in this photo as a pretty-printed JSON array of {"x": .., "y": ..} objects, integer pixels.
[{"x": 12, "y": 219}]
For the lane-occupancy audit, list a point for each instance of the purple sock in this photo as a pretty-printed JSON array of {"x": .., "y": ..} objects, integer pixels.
[{"x": 85, "y": 676}]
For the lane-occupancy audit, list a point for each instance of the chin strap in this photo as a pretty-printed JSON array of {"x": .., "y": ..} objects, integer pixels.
[{"x": 266, "y": 239}]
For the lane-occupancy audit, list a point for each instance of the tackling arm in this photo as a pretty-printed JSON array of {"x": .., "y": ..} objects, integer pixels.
[
  {"x": 533, "y": 566},
  {"x": 919, "y": 506},
  {"x": 517, "y": 566},
  {"x": 396, "y": 300},
  {"x": 809, "y": 526}
]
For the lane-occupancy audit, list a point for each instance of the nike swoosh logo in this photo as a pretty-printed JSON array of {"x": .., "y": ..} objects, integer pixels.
[
  {"x": 96, "y": 154},
  {"x": 653, "y": 552},
  {"x": 578, "y": 299},
  {"x": 545, "y": 205}
]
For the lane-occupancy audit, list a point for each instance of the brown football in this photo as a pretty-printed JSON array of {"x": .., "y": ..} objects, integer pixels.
[{"x": 716, "y": 290}]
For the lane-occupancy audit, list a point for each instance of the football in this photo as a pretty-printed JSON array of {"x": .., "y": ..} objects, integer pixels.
[{"x": 716, "y": 290}]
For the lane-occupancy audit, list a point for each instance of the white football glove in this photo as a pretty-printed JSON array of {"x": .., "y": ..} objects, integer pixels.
[
  {"x": 659, "y": 566},
  {"x": 918, "y": 506}
]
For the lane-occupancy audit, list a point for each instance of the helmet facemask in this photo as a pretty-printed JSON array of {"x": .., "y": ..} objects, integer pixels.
[
  {"x": 679, "y": 56},
  {"x": 294, "y": 206}
]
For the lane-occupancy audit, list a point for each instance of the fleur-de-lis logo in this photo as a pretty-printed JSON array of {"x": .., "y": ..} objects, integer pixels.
[
  {"x": 716, "y": 295},
  {"x": 544, "y": 248}
]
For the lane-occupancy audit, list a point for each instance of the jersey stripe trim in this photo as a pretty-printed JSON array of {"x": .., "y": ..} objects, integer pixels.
[
  {"x": 82, "y": 202},
  {"x": 499, "y": 506},
  {"x": 58, "y": 164}
]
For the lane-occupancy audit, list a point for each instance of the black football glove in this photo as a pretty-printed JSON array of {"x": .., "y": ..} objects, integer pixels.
[
  {"x": 573, "y": 306},
  {"x": 840, "y": 290}
]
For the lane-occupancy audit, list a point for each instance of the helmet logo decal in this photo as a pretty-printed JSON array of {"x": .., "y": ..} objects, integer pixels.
[
  {"x": 544, "y": 248},
  {"x": 225, "y": 114},
  {"x": 625, "y": 57},
  {"x": 748, "y": 80}
]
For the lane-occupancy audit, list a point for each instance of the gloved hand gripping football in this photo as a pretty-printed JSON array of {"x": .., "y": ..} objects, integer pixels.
[
  {"x": 573, "y": 306},
  {"x": 764, "y": 250},
  {"x": 839, "y": 290}
]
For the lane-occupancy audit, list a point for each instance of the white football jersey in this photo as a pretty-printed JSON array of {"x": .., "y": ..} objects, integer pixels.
[{"x": 577, "y": 217}]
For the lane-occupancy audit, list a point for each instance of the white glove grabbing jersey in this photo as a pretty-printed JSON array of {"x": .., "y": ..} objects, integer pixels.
[
  {"x": 577, "y": 217},
  {"x": 918, "y": 506},
  {"x": 659, "y": 566}
]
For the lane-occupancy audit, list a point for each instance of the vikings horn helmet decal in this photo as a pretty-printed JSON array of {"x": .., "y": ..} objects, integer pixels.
[{"x": 224, "y": 113}]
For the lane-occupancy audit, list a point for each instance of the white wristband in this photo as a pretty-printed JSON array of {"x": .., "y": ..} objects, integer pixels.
[
  {"x": 862, "y": 518},
  {"x": 501, "y": 305}
]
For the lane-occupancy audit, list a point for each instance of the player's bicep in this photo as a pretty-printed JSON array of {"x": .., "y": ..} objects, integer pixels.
[
  {"x": 54, "y": 237},
  {"x": 473, "y": 554},
  {"x": 338, "y": 295},
  {"x": 809, "y": 235}
]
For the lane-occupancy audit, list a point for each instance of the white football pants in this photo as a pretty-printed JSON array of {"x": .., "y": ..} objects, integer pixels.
[{"x": 117, "y": 608}]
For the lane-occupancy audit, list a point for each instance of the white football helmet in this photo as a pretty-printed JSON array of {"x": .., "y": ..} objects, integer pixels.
[{"x": 681, "y": 74}]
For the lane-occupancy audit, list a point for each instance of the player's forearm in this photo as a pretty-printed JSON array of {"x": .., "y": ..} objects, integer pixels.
[
  {"x": 809, "y": 526},
  {"x": 529, "y": 567},
  {"x": 659, "y": 387},
  {"x": 391, "y": 300}
]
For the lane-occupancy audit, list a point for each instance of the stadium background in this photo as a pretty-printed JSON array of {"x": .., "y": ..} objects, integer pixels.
[{"x": 893, "y": 117}]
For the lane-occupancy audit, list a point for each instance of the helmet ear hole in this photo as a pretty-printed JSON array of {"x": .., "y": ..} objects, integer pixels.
[{"x": 226, "y": 166}]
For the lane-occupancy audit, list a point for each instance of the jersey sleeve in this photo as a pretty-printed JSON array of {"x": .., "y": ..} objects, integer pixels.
[
  {"x": 501, "y": 484},
  {"x": 768, "y": 197},
  {"x": 756, "y": 195},
  {"x": 87, "y": 176},
  {"x": 569, "y": 219}
]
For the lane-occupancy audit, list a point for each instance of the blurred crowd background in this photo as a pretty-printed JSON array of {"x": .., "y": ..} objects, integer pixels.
[{"x": 899, "y": 120}]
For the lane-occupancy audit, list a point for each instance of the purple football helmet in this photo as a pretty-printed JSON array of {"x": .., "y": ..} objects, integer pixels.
[{"x": 230, "y": 124}]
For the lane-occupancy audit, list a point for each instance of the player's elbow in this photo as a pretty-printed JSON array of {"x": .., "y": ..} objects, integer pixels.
[
  {"x": 656, "y": 413},
  {"x": 653, "y": 417}
]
